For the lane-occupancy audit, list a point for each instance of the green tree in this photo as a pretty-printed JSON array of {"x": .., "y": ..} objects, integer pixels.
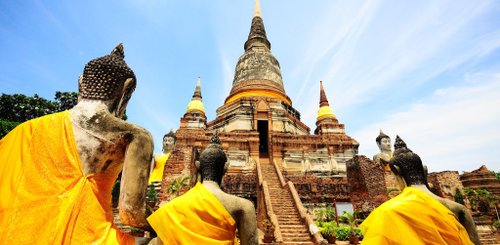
[
  {"x": 18, "y": 108},
  {"x": 6, "y": 127},
  {"x": 66, "y": 100}
]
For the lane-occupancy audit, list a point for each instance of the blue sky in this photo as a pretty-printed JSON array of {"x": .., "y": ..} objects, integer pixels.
[{"x": 426, "y": 70}]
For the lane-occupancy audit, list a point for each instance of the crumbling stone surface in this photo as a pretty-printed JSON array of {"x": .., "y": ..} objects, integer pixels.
[
  {"x": 445, "y": 184},
  {"x": 366, "y": 183},
  {"x": 318, "y": 189},
  {"x": 481, "y": 178},
  {"x": 243, "y": 185}
]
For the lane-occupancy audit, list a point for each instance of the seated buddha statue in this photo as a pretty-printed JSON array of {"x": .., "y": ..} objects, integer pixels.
[
  {"x": 416, "y": 215},
  {"x": 57, "y": 171},
  {"x": 205, "y": 214},
  {"x": 385, "y": 154}
]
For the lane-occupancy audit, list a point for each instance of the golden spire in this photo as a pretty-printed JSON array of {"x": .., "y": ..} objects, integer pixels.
[
  {"x": 196, "y": 103},
  {"x": 324, "y": 108}
]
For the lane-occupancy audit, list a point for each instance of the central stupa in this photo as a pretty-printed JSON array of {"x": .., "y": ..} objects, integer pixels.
[{"x": 268, "y": 146}]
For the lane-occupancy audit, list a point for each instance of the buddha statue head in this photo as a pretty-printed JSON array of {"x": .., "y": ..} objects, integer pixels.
[
  {"x": 169, "y": 142},
  {"x": 407, "y": 164},
  {"x": 383, "y": 142},
  {"x": 108, "y": 79},
  {"x": 213, "y": 161}
]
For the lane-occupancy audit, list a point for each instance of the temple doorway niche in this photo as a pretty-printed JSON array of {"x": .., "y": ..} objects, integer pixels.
[{"x": 263, "y": 128}]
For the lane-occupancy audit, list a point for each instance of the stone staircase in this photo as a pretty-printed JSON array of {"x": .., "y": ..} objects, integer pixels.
[
  {"x": 293, "y": 228},
  {"x": 487, "y": 235}
]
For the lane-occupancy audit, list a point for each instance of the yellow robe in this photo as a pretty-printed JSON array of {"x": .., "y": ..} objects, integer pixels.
[
  {"x": 413, "y": 218},
  {"x": 45, "y": 196},
  {"x": 196, "y": 217},
  {"x": 157, "y": 173}
]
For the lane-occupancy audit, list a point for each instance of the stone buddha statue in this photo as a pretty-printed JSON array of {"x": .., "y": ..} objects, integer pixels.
[
  {"x": 206, "y": 213},
  {"x": 416, "y": 215},
  {"x": 105, "y": 142},
  {"x": 169, "y": 142},
  {"x": 60, "y": 168},
  {"x": 385, "y": 154},
  {"x": 160, "y": 160}
]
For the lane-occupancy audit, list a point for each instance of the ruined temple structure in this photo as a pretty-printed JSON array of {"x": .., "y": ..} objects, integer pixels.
[
  {"x": 484, "y": 179},
  {"x": 274, "y": 159},
  {"x": 481, "y": 178},
  {"x": 445, "y": 184}
]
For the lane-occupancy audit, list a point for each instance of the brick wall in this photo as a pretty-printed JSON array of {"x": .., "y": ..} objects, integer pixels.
[
  {"x": 445, "y": 184},
  {"x": 366, "y": 183},
  {"x": 320, "y": 189}
]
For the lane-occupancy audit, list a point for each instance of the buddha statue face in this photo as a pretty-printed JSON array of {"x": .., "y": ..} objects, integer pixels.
[
  {"x": 169, "y": 142},
  {"x": 385, "y": 144}
]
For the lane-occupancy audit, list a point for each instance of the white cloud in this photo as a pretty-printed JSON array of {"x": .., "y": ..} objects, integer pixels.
[
  {"x": 358, "y": 67},
  {"x": 456, "y": 128}
]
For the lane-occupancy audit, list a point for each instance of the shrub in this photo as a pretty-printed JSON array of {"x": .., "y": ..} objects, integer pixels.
[
  {"x": 358, "y": 233},
  {"x": 152, "y": 195},
  {"x": 328, "y": 229},
  {"x": 343, "y": 233}
]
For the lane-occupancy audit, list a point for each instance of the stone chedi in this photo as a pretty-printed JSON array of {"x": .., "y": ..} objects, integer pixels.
[{"x": 265, "y": 140}]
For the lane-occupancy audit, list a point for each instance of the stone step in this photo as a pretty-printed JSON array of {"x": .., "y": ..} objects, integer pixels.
[
  {"x": 289, "y": 221},
  {"x": 282, "y": 200},
  {"x": 281, "y": 196},
  {"x": 283, "y": 206},
  {"x": 296, "y": 235},
  {"x": 286, "y": 213},
  {"x": 296, "y": 239},
  {"x": 293, "y": 230},
  {"x": 286, "y": 206},
  {"x": 285, "y": 210},
  {"x": 292, "y": 227}
]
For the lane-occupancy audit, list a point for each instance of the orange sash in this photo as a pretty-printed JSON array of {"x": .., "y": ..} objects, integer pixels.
[
  {"x": 157, "y": 173},
  {"x": 196, "y": 217},
  {"x": 413, "y": 218},
  {"x": 45, "y": 197}
]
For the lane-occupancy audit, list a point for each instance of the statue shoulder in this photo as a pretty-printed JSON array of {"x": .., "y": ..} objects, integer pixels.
[
  {"x": 458, "y": 209},
  {"x": 382, "y": 158},
  {"x": 246, "y": 204}
]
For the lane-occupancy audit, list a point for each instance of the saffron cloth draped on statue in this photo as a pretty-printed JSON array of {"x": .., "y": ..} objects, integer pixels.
[
  {"x": 415, "y": 218},
  {"x": 157, "y": 173},
  {"x": 196, "y": 217},
  {"x": 45, "y": 196}
]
